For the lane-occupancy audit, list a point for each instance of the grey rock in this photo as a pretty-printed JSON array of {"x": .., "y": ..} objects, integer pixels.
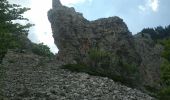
[
  {"x": 75, "y": 37},
  {"x": 48, "y": 82},
  {"x": 150, "y": 52}
]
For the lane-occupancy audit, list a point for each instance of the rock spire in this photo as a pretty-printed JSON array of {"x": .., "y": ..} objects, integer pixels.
[{"x": 56, "y": 4}]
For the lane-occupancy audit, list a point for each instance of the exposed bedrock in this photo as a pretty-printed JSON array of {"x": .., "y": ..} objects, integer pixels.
[{"x": 76, "y": 37}]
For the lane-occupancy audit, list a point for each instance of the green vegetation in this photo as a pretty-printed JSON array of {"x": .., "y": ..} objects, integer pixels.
[
  {"x": 76, "y": 67},
  {"x": 13, "y": 35},
  {"x": 102, "y": 63},
  {"x": 42, "y": 50},
  {"x": 99, "y": 58},
  {"x": 10, "y": 31},
  {"x": 164, "y": 93},
  {"x": 157, "y": 33},
  {"x": 166, "y": 52},
  {"x": 162, "y": 36}
]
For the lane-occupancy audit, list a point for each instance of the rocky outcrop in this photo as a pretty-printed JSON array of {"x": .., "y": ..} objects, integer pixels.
[
  {"x": 24, "y": 75},
  {"x": 131, "y": 57},
  {"x": 27, "y": 76},
  {"x": 75, "y": 37},
  {"x": 150, "y": 52}
]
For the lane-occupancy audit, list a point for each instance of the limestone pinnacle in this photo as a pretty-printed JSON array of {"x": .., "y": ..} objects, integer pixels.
[{"x": 56, "y": 4}]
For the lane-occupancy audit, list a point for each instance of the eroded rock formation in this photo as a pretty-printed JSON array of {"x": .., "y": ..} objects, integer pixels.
[{"x": 75, "y": 37}]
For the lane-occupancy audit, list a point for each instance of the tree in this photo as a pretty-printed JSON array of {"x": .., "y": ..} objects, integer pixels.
[
  {"x": 10, "y": 31},
  {"x": 164, "y": 93},
  {"x": 42, "y": 50}
]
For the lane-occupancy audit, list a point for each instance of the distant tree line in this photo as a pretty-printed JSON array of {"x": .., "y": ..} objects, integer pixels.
[{"x": 158, "y": 32}]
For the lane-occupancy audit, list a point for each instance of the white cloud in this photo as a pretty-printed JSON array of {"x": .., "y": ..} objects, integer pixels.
[
  {"x": 41, "y": 32},
  {"x": 72, "y": 2},
  {"x": 149, "y": 5},
  {"x": 154, "y": 4},
  {"x": 42, "y": 28}
]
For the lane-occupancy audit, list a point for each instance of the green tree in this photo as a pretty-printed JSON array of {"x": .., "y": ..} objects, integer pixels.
[
  {"x": 10, "y": 31},
  {"x": 42, "y": 50},
  {"x": 164, "y": 93}
]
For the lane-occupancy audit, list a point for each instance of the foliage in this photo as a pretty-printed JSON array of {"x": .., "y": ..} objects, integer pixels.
[
  {"x": 101, "y": 64},
  {"x": 99, "y": 58},
  {"x": 165, "y": 73},
  {"x": 76, "y": 67},
  {"x": 166, "y": 52},
  {"x": 10, "y": 13},
  {"x": 9, "y": 30},
  {"x": 165, "y": 67},
  {"x": 42, "y": 50},
  {"x": 158, "y": 32},
  {"x": 164, "y": 93}
]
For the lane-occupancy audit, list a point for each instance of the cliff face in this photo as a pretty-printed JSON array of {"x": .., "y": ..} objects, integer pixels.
[
  {"x": 150, "y": 52},
  {"x": 76, "y": 37},
  {"x": 25, "y": 75}
]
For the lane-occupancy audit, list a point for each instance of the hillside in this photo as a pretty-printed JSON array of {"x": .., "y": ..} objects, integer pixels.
[
  {"x": 32, "y": 77},
  {"x": 98, "y": 60}
]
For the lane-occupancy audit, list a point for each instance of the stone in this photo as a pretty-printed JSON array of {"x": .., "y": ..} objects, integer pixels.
[
  {"x": 23, "y": 72},
  {"x": 56, "y": 4},
  {"x": 150, "y": 52},
  {"x": 48, "y": 82},
  {"x": 75, "y": 37}
]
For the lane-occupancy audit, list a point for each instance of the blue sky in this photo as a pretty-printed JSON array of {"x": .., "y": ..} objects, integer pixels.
[{"x": 137, "y": 14}]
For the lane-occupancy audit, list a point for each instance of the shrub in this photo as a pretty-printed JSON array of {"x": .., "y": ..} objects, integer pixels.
[
  {"x": 164, "y": 94},
  {"x": 165, "y": 73},
  {"x": 42, "y": 50},
  {"x": 99, "y": 58},
  {"x": 166, "y": 52},
  {"x": 76, "y": 67}
]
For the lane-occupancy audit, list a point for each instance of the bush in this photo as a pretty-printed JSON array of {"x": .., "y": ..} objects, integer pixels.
[
  {"x": 166, "y": 52},
  {"x": 42, "y": 50},
  {"x": 165, "y": 73},
  {"x": 164, "y": 94},
  {"x": 76, "y": 67},
  {"x": 8, "y": 41},
  {"x": 99, "y": 58}
]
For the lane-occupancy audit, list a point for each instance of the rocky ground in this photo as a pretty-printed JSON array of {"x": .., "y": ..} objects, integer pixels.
[{"x": 30, "y": 77}]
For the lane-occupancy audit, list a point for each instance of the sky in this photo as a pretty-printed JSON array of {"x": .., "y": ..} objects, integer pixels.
[{"x": 137, "y": 14}]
